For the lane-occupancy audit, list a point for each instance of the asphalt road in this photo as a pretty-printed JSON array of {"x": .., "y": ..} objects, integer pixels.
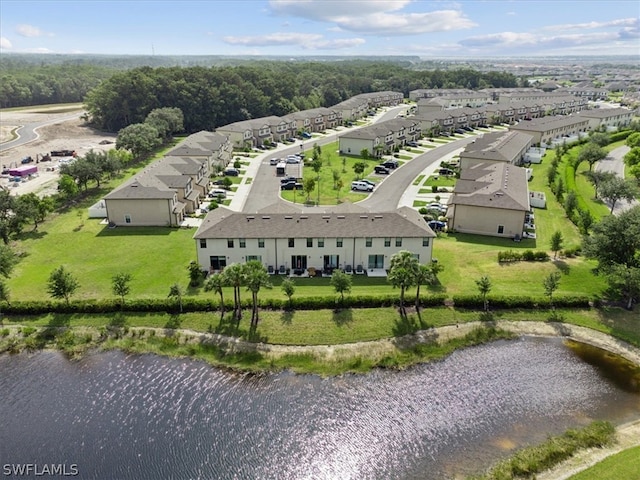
[
  {"x": 265, "y": 186},
  {"x": 29, "y": 131},
  {"x": 614, "y": 163}
]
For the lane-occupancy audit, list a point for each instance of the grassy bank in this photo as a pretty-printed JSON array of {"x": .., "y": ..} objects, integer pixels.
[
  {"x": 623, "y": 465},
  {"x": 528, "y": 462}
]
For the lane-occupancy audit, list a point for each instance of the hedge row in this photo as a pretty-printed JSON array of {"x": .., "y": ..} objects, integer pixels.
[
  {"x": 204, "y": 305},
  {"x": 526, "y": 256},
  {"x": 475, "y": 302},
  {"x": 617, "y": 136},
  {"x": 297, "y": 303}
]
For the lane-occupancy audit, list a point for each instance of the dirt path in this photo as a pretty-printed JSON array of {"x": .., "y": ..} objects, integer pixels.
[{"x": 71, "y": 134}]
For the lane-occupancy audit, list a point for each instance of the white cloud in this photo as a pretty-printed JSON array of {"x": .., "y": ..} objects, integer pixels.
[
  {"x": 29, "y": 31},
  {"x": 310, "y": 41},
  {"x": 622, "y": 22},
  {"x": 373, "y": 17},
  {"x": 5, "y": 43},
  {"x": 274, "y": 39}
]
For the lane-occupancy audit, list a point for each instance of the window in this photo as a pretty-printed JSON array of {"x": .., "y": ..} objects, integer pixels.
[
  {"x": 368, "y": 241},
  {"x": 242, "y": 242},
  {"x": 500, "y": 228},
  {"x": 261, "y": 243},
  {"x": 398, "y": 241},
  {"x": 254, "y": 257},
  {"x": 425, "y": 241},
  {"x": 387, "y": 242},
  {"x": 203, "y": 243},
  {"x": 338, "y": 242},
  {"x": 127, "y": 219},
  {"x": 309, "y": 242},
  {"x": 292, "y": 242},
  {"x": 229, "y": 242},
  {"x": 321, "y": 243}
]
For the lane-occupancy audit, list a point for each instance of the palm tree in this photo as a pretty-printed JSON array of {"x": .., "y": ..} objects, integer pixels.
[
  {"x": 424, "y": 276},
  {"x": 403, "y": 272},
  {"x": 234, "y": 276},
  {"x": 256, "y": 277},
  {"x": 215, "y": 283}
]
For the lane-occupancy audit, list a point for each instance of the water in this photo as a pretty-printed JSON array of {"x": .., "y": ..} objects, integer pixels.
[{"x": 147, "y": 417}]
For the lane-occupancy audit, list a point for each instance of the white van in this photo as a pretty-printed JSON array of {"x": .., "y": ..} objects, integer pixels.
[{"x": 361, "y": 186}]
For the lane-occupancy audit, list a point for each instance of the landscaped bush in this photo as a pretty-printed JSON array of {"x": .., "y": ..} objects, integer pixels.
[
  {"x": 526, "y": 256},
  {"x": 572, "y": 252},
  {"x": 617, "y": 136},
  {"x": 512, "y": 302}
]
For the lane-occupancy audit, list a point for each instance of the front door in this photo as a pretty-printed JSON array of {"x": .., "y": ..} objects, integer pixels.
[{"x": 299, "y": 262}]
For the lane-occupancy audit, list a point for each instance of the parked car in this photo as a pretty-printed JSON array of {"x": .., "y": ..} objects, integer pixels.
[
  {"x": 305, "y": 135},
  {"x": 468, "y": 129},
  {"x": 435, "y": 205},
  {"x": 293, "y": 160},
  {"x": 390, "y": 164},
  {"x": 218, "y": 192},
  {"x": 361, "y": 186},
  {"x": 412, "y": 144},
  {"x": 291, "y": 186},
  {"x": 373, "y": 184},
  {"x": 446, "y": 171},
  {"x": 231, "y": 172},
  {"x": 288, "y": 178},
  {"x": 274, "y": 161},
  {"x": 460, "y": 131},
  {"x": 436, "y": 225},
  {"x": 381, "y": 169}
]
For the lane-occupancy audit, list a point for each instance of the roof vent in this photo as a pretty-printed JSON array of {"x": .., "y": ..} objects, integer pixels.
[{"x": 266, "y": 217}]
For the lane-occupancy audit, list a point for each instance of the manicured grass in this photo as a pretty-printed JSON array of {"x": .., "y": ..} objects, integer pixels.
[
  {"x": 623, "y": 465},
  {"x": 332, "y": 160},
  {"x": 418, "y": 179},
  {"x": 440, "y": 181},
  {"x": 472, "y": 256}
]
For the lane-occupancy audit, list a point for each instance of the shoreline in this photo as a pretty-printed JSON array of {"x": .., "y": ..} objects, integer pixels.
[{"x": 627, "y": 435}]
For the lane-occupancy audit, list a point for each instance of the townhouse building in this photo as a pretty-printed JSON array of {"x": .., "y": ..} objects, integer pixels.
[
  {"x": 607, "y": 118},
  {"x": 504, "y": 147},
  {"x": 546, "y": 130},
  {"x": 380, "y": 138},
  {"x": 346, "y": 237}
]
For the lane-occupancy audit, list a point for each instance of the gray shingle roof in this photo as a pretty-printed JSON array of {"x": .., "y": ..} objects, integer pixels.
[
  {"x": 500, "y": 146},
  {"x": 224, "y": 223},
  {"x": 494, "y": 185}
]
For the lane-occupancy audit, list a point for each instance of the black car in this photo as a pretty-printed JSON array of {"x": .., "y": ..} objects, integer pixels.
[
  {"x": 412, "y": 144},
  {"x": 291, "y": 186},
  {"x": 288, "y": 179},
  {"x": 390, "y": 164},
  {"x": 381, "y": 169},
  {"x": 231, "y": 172}
]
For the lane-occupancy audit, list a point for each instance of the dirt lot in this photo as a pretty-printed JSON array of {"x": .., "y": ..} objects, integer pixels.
[{"x": 72, "y": 135}]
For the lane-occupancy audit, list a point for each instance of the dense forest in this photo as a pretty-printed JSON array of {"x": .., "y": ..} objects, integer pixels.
[{"x": 118, "y": 95}]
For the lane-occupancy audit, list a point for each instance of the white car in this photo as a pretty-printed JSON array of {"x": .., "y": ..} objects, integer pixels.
[{"x": 361, "y": 186}]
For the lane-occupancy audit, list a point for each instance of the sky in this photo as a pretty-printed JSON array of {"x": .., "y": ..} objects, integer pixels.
[{"x": 428, "y": 29}]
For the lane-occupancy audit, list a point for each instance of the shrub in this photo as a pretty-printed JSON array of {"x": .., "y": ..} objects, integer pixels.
[
  {"x": 572, "y": 252},
  {"x": 423, "y": 211}
]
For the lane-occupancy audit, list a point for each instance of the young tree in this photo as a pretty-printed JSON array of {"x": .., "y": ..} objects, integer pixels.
[
  {"x": 215, "y": 283},
  {"x": 120, "y": 286},
  {"x": 68, "y": 186},
  {"x": 364, "y": 153},
  {"x": 308, "y": 185},
  {"x": 556, "y": 243},
  {"x": 62, "y": 284},
  {"x": 256, "y": 277},
  {"x": 336, "y": 177},
  {"x": 195, "y": 274},
  {"x": 599, "y": 138},
  {"x": 551, "y": 284},
  {"x": 615, "y": 240},
  {"x": 175, "y": 291},
  {"x": 31, "y": 207},
  {"x": 359, "y": 168},
  {"x": 341, "y": 283},
  {"x": 484, "y": 287},
  {"x": 288, "y": 287},
  {"x": 403, "y": 271},
  {"x": 339, "y": 185}
]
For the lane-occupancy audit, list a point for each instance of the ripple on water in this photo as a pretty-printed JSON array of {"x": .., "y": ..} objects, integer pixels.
[{"x": 149, "y": 417}]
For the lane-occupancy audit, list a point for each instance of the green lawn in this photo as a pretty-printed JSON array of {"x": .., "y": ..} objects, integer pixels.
[
  {"x": 332, "y": 160},
  {"x": 624, "y": 465}
]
